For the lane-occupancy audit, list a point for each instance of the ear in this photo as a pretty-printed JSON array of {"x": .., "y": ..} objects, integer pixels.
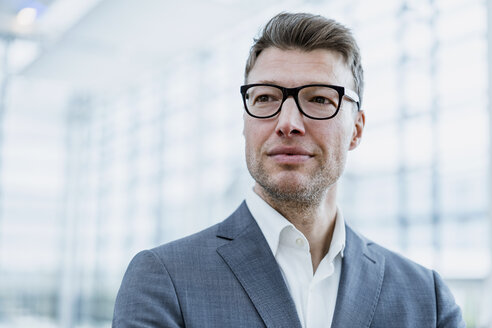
[{"x": 359, "y": 122}]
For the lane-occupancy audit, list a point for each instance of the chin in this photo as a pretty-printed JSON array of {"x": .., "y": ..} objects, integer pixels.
[
  {"x": 299, "y": 184},
  {"x": 289, "y": 187},
  {"x": 290, "y": 179}
]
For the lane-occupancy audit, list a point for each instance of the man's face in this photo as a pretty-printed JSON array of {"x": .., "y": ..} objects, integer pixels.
[{"x": 293, "y": 157}]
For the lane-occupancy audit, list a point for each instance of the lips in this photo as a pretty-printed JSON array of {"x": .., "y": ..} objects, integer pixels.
[
  {"x": 289, "y": 154},
  {"x": 288, "y": 150}
]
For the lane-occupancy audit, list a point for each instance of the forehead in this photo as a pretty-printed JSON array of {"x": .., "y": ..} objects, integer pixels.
[{"x": 295, "y": 67}]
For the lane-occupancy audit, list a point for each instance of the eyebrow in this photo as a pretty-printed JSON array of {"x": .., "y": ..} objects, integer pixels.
[{"x": 279, "y": 84}]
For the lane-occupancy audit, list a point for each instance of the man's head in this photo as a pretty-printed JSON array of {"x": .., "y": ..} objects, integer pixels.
[
  {"x": 300, "y": 126},
  {"x": 309, "y": 32}
]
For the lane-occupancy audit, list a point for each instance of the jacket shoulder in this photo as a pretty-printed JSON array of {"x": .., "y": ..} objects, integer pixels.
[
  {"x": 209, "y": 239},
  {"x": 395, "y": 264},
  {"x": 202, "y": 240},
  {"x": 416, "y": 289},
  {"x": 401, "y": 266}
]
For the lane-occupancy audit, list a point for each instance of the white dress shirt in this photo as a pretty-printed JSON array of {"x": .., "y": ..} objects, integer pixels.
[{"x": 315, "y": 294}]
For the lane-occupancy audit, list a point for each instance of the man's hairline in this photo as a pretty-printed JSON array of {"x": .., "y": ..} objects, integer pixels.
[{"x": 301, "y": 49}]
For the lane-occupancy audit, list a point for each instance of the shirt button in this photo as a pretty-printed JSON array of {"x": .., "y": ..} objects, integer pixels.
[{"x": 299, "y": 242}]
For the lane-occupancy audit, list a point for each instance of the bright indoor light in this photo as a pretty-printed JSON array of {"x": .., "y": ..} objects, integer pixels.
[{"x": 26, "y": 16}]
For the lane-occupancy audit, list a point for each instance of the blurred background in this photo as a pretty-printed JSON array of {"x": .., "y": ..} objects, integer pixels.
[{"x": 120, "y": 129}]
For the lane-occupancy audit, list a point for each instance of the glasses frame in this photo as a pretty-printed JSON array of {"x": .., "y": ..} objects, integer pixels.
[{"x": 294, "y": 92}]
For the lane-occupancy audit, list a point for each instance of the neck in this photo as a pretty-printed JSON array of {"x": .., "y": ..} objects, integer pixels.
[{"x": 316, "y": 220}]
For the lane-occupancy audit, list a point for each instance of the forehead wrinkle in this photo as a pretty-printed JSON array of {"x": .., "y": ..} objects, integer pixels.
[{"x": 295, "y": 68}]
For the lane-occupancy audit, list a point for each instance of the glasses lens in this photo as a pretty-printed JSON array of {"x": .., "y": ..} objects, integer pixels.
[
  {"x": 319, "y": 102},
  {"x": 263, "y": 101}
]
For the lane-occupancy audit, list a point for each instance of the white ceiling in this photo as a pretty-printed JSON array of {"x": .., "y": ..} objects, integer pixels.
[{"x": 90, "y": 43}]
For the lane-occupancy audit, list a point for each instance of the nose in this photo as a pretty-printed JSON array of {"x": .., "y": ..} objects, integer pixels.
[{"x": 290, "y": 120}]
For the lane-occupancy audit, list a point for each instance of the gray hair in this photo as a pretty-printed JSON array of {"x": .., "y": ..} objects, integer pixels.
[{"x": 309, "y": 32}]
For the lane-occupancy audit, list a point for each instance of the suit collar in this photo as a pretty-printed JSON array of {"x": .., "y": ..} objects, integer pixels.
[
  {"x": 249, "y": 257},
  {"x": 271, "y": 222},
  {"x": 251, "y": 260},
  {"x": 236, "y": 223},
  {"x": 273, "y": 225},
  {"x": 360, "y": 283}
]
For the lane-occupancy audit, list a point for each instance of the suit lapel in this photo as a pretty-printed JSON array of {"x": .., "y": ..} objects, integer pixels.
[
  {"x": 360, "y": 284},
  {"x": 252, "y": 262}
]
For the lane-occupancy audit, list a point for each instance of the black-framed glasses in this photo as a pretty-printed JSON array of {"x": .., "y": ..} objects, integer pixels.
[{"x": 316, "y": 101}]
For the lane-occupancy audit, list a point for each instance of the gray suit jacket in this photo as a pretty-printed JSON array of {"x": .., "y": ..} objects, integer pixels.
[{"x": 227, "y": 276}]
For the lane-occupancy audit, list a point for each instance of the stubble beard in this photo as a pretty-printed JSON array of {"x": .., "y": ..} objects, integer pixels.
[{"x": 302, "y": 192}]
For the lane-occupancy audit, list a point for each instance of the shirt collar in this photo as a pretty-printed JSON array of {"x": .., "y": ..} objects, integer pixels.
[
  {"x": 337, "y": 244},
  {"x": 272, "y": 223},
  {"x": 269, "y": 220}
]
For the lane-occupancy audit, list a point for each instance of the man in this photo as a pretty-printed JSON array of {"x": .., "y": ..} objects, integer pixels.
[{"x": 285, "y": 257}]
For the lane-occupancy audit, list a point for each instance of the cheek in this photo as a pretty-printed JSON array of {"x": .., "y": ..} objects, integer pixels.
[
  {"x": 255, "y": 135},
  {"x": 251, "y": 141},
  {"x": 334, "y": 136}
]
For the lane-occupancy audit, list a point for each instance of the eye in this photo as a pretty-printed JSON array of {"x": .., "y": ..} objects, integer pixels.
[
  {"x": 264, "y": 98},
  {"x": 322, "y": 100},
  {"x": 264, "y": 95}
]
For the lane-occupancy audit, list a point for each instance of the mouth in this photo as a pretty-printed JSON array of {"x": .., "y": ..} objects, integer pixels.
[{"x": 289, "y": 154}]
